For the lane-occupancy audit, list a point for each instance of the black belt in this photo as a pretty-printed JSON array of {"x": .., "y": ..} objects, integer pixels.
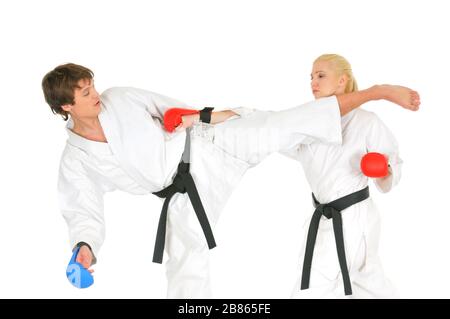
[
  {"x": 182, "y": 183},
  {"x": 331, "y": 210}
]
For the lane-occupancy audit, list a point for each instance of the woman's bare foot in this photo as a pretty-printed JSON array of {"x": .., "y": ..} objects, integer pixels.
[{"x": 400, "y": 95}]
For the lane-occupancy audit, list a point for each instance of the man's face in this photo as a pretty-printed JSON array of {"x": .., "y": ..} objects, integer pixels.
[{"x": 87, "y": 101}]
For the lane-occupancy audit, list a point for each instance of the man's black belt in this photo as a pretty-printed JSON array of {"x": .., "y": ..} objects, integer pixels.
[
  {"x": 331, "y": 210},
  {"x": 182, "y": 183}
]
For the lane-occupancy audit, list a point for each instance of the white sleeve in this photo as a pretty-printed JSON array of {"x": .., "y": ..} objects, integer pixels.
[
  {"x": 81, "y": 204},
  {"x": 157, "y": 104},
  {"x": 381, "y": 140},
  {"x": 243, "y": 111}
]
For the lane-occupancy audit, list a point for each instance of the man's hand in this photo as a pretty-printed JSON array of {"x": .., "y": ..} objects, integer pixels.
[{"x": 85, "y": 257}]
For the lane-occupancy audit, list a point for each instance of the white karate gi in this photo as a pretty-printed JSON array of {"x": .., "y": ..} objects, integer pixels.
[
  {"x": 140, "y": 158},
  {"x": 333, "y": 172}
]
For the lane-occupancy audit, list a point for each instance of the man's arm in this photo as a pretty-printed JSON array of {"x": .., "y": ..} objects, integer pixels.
[
  {"x": 81, "y": 204},
  {"x": 154, "y": 103}
]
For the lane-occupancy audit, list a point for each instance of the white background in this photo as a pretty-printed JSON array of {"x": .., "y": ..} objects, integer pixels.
[{"x": 223, "y": 54}]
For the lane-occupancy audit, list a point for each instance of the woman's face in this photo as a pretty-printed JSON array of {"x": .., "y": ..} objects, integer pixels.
[{"x": 325, "y": 81}]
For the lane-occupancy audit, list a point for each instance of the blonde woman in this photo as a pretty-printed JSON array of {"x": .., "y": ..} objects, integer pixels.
[{"x": 340, "y": 254}]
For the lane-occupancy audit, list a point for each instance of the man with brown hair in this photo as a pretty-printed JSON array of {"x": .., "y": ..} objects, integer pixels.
[{"x": 117, "y": 141}]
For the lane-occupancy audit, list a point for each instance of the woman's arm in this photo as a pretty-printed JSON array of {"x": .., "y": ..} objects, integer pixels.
[{"x": 380, "y": 139}]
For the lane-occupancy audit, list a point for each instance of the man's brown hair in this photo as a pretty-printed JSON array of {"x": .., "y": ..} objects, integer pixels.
[{"x": 59, "y": 86}]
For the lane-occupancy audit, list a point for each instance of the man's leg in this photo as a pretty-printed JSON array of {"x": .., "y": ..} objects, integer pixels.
[
  {"x": 217, "y": 167},
  {"x": 215, "y": 174},
  {"x": 187, "y": 266},
  {"x": 403, "y": 96},
  {"x": 256, "y": 134},
  {"x": 220, "y": 155}
]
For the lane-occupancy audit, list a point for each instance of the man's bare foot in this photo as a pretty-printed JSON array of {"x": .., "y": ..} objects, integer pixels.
[{"x": 400, "y": 95}]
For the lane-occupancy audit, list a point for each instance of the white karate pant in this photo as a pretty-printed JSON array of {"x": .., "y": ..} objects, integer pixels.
[{"x": 361, "y": 226}]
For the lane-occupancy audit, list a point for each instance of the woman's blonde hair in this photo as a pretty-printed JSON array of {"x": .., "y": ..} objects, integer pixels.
[{"x": 341, "y": 66}]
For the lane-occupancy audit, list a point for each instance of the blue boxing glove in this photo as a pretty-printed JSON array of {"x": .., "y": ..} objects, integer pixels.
[{"x": 78, "y": 276}]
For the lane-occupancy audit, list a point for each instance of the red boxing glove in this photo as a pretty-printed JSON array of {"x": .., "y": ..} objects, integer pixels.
[
  {"x": 374, "y": 165},
  {"x": 172, "y": 117}
]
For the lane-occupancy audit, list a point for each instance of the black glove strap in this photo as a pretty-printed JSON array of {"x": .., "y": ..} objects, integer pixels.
[{"x": 205, "y": 114}]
